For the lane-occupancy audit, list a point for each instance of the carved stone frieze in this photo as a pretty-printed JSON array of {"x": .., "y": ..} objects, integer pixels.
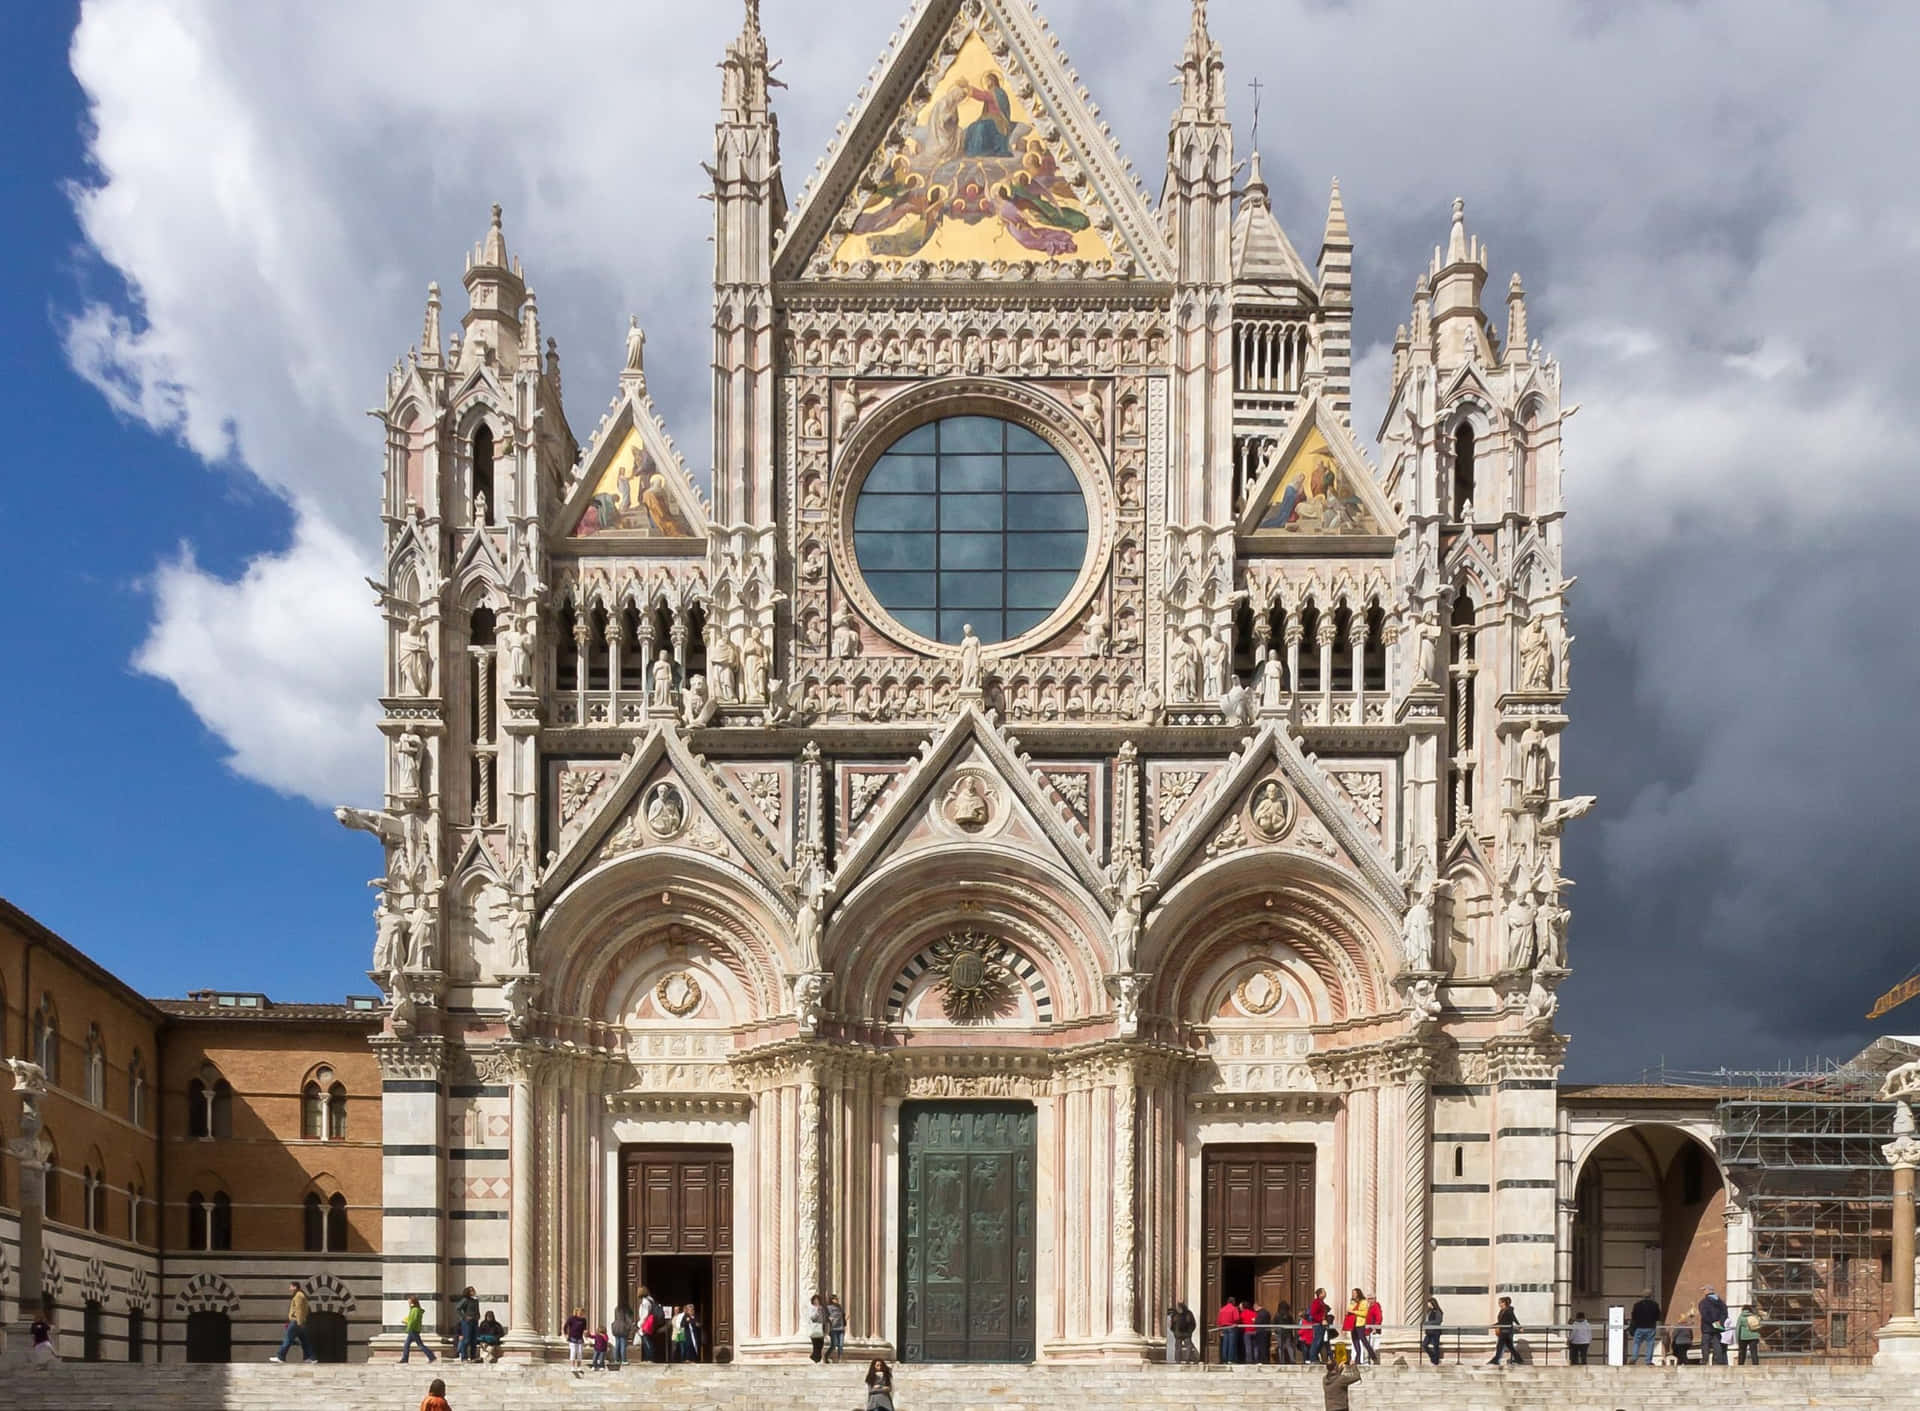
[{"x": 424, "y": 1056}]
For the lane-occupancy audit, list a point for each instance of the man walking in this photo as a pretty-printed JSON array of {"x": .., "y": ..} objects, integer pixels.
[
  {"x": 1645, "y": 1324},
  {"x": 1320, "y": 1315},
  {"x": 466, "y": 1322},
  {"x": 296, "y": 1327},
  {"x": 1713, "y": 1327}
]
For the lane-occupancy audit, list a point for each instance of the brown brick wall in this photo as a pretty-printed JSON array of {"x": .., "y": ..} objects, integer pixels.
[
  {"x": 267, "y": 1168},
  {"x": 32, "y": 967}
]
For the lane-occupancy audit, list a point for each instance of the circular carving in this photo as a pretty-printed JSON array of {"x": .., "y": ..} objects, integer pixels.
[
  {"x": 1030, "y": 411},
  {"x": 974, "y": 986},
  {"x": 1260, "y": 993},
  {"x": 1272, "y": 810},
  {"x": 678, "y": 993},
  {"x": 665, "y": 811},
  {"x": 969, "y": 804}
]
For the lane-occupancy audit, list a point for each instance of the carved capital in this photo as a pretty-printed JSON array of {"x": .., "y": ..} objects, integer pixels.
[{"x": 423, "y": 1056}]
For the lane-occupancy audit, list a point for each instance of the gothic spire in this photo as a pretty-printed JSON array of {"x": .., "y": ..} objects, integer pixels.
[
  {"x": 1336, "y": 233},
  {"x": 746, "y": 74},
  {"x": 1203, "y": 73},
  {"x": 430, "y": 329}
]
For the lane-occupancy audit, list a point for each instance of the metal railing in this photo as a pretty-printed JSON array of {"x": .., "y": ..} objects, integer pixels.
[{"x": 1536, "y": 1344}]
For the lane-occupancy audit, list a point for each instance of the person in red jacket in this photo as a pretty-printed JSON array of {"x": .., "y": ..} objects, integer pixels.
[
  {"x": 1229, "y": 1324},
  {"x": 1376, "y": 1319},
  {"x": 1320, "y": 1314}
]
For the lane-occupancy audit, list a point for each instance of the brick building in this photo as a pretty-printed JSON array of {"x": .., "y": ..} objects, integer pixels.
[{"x": 201, "y": 1153}]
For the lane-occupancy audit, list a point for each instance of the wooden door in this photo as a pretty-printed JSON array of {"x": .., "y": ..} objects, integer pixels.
[
  {"x": 967, "y": 1232},
  {"x": 678, "y": 1201},
  {"x": 1257, "y": 1205}
]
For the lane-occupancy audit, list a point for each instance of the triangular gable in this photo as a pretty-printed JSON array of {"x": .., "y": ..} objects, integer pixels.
[
  {"x": 707, "y": 801},
  {"x": 1328, "y": 825},
  {"x": 1316, "y": 489},
  {"x": 634, "y": 488},
  {"x": 906, "y": 801},
  {"x": 976, "y": 103},
  {"x": 480, "y": 559},
  {"x": 477, "y": 855},
  {"x": 482, "y": 387},
  {"x": 1468, "y": 383}
]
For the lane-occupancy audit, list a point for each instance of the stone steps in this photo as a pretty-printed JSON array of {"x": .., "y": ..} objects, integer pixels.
[{"x": 1052, "y": 1387}]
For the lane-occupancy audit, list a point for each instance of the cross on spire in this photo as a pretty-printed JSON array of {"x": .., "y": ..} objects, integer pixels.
[{"x": 1256, "y": 86}]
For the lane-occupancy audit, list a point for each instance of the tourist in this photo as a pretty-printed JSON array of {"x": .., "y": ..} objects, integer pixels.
[
  {"x": 622, "y": 1329},
  {"x": 296, "y": 1327},
  {"x": 836, "y": 1329},
  {"x": 686, "y": 1334},
  {"x": 487, "y": 1338},
  {"x": 1286, "y": 1335},
  {"x": 1354, "y": 1325},
  {"x": 601, "y": 1342},
  {"x": 1335, "y": 1383},
  {"x": 410, "y": 1325},
  {"x": 1376, "y": 1320},
  {"x": 1321, "y": 1316},
  {"x": 1431, "y": 1324},
  {"x": 879, "y": 1386},
  {"x": 1173, "y": 1333},
  {"x": 649, "y": 1321},
  {"x": 1746, "y": 1330},
  {"x": 1228, "y": 1323},
  {"x": 1713, "y": 1327},
  {"x": 1257, "y": 1329},
  {"x": 1645, "y": 1323},
  {"x": 817, "y": 1326},
  {"x": 466, "y": 1322},
  {"x": 40, "y": 1334},
  {"x": 1681, "y": 1341},
  {"x": 436, "y": 1397},
  {"x": 575, "y": 1332},
  {"x": 1506, "y": 1325},
  {"x": 1579, "y": 1340},
  {"x": 1189, "y": 1325}
]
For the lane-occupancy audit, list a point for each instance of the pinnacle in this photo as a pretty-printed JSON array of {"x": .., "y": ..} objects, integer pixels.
[
  {"x": 1336, "y": 218},
  {"x": 1457, "y": 240}
]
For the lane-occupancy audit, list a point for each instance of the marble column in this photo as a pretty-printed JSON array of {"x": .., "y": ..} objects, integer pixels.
[
  {"x": 1417, "y": 1145},
  {"x": 31, "y": 1084},
  {"x": 1900, "y": 1338},
  {"x": 413, "y": 1175},
  {"x": 523, "y": 1158},
  {"x": 1123, "y": 1310}
]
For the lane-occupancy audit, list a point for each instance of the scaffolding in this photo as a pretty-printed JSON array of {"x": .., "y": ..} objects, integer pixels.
[{"x": 1802, "y": 1149}]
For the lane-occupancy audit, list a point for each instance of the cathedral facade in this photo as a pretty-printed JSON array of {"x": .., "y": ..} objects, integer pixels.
[{"x": 1062, "y": 827}]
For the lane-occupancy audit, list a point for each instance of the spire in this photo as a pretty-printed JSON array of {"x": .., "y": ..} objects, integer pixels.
[
  {"x": 1256, "y": 190},
  {"x": 530, "y": 334},
  {"x": 491, "y": 252},
  {"x": 1422, "y": 314},
  {"x": 1203, "y": 73},
  {"x": 553, "y": 365},
  {"x": 1457, "y": 240},
  {"x": 496, "y": 291},
  {"x": 745, "y": 73},
  {"x": 1336, "y": 234},
  {"x": 1516, "y": 321},
  {"x": 430, "y": 330}
]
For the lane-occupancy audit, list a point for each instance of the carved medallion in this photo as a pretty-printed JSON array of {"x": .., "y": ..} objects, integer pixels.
[
  {"x": 1272, "y": 810},
  {"x": 969, "y": 803},
  {"x": 665, "y": 811},
  {"x": 678, "y": 994},
  {"x": 1260, "y": 993},
  {"x": 974, "y": 986}
]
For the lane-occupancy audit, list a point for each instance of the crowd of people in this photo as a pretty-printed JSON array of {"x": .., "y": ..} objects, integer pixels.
[{"x": 1706, "y": 1343}]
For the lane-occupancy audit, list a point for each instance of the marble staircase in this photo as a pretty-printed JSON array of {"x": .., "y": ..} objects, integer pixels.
[{"x": 1054, "y": 1387}]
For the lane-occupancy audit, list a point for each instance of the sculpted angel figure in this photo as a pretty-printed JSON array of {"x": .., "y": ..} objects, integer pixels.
[
  {"x": 753, "y": 656},
  {"x": 389, "y": 941},
  {"x": 1129, "y": 917},
  {"x": 1426, "y": 637},
  {"x": 1183, "y": 668},
  {"x": 723, "y": 665}
]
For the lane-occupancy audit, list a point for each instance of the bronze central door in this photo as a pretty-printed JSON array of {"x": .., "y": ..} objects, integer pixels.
[{"x": 967, "y": 1232}]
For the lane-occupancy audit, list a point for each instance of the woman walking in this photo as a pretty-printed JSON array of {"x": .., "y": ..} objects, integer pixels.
[
  {"x": 1355, "y": 1326},
  {"x": 575, "y": 1330},
  {"x": 1431, "y": 1325},
  {"x": 411, "y": 1325}
]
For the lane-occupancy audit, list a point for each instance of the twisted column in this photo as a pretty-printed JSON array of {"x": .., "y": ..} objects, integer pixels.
[
  {"x": 1417, "y": 1144},
  {"x": 523, "y": 1178},
  {"x": 807, "y": 1206},
  {"x": 1126, "y": 1101}
]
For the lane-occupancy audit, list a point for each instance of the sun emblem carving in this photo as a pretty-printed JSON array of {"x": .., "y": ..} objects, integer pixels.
[
  {"x": 974, "y": 985},
  {"x": 678, "y": 993}
]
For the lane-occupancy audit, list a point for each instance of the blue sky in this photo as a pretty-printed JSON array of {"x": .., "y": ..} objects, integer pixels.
[
  {"x": 221, "y": 220},
  {"x": 126, "y": 833}
]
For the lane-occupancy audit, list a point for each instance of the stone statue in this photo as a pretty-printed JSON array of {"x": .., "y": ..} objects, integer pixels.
[
  {"x": 967, "y": 804},
  {"x": 1416, "y": 932},
  {"x": 1126, "y": 991},
  {"x": 1423, "y": 1002},
  {"x": 753, "y": 665},
  {"x": 809, "y": 999},
  {"x": 29, "y": 1085},
  {"x": 1542, "y": 1003},
  {"x": 1536, "y": 764},
  {"x": 1521, "y": 949},
  {"x": 480, "y": 515},
  {"x": 416, "y": 657},
  {"x": 970, "y": 662},
  {"x": 1214, "y": 656},
  {"x": 516, "y": 644},
  {"x": 519, "y": 938},
  {"x": 1237, "y": 705},
  {"x": 422, "y": 933},
  {"x": 846, "y": 634},
  {"x": 662, "y": 680},
  {"x": 1273, "y": 682},
  {"x": 1426, "y": 653},
  {"x": 636, "y": 345},
  {"x": 696, "y": 706},
  {"x": 408, "y": 751},
  {"x": 723, "y": 665},
  {"x": 1536, "y": 656},
  {"x": 1270, "y": 809},
  {"x": 808, "y": 922},
  {"x": 1094, "y": 638},
  {"x": 1183, "y": 668},
  {"x": 1129, "y": 917},
  {"x": 666, "y": 811},
  {"x": 389, "y": 942},
  {"x": 517, "y": 995},
  {"x": 846, "y": 406}
]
